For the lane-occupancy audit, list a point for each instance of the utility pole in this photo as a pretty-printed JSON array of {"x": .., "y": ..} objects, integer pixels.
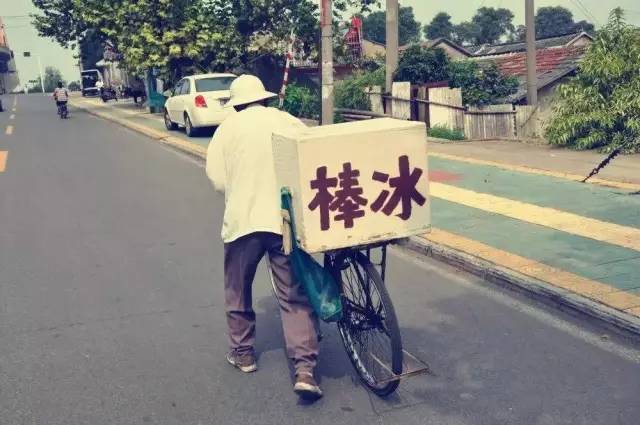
[
  {"x": 532, "y": 84},
  {"x": 41, "y": 78},
  {"x": 326, "y": 24},
  {"x": 392, "y": 42}
]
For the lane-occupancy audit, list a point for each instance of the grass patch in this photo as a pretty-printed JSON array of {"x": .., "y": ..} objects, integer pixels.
[{"x": 442, "y": 132}]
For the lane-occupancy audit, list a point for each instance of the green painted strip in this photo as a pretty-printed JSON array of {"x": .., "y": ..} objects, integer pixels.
[
  {"x": 611, "y": 205},
  {"x": 585, "y": 257}
]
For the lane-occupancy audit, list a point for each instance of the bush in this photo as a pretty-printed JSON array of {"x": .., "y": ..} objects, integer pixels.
[
  {"x": 302, "y": 102},
  {"x": 350, "y": 94},
  {"x": 600, "y": 107},
  {"x": 481, "y": 85},
  {"x": 442, "y": 132},
  {"x": 421, "y": 65}
]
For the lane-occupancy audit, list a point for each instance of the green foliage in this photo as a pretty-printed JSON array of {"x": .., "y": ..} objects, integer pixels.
[
  {"x": 552, "y": 21},
  {"x": 442, "y": 132},
  {"x": 440, "y": 26},
  {"x": 374, "y": 26},
  {"x": 91, "y": 49},
  {"x": 600, "y": 108},
  {"x": 421, "y": 65},
  {"x": 350, "y": 93},
  {"x": 302, "y": 102},
  {"x": 480, "y": 85},
  {"x": 59, "y": 20},
  {"x": 74, "y": 86},
  {"x": 51, "y": 78}
]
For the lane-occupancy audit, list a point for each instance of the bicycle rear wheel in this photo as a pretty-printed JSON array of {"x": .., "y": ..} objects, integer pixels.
[{"x": 369, "y": 327}]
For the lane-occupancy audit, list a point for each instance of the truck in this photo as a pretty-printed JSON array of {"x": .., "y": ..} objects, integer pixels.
[{"x": 92, "y": 81}]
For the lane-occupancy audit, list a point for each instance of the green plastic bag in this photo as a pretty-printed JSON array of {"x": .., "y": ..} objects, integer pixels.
[{"x": 319, "y": 284}]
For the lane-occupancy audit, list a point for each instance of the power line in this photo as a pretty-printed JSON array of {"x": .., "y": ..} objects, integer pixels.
[
  {"x": 585, "y": 11},
  {"x": 15, "y": 16}
]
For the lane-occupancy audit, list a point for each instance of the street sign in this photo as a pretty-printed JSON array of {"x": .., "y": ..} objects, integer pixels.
[{"x": 27, "y": 54}]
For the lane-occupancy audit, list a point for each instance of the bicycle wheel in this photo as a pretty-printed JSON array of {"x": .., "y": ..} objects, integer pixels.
[{"x": 369, "y": 327}]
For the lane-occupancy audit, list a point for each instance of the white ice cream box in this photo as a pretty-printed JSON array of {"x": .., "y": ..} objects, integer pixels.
[{"x": 355, "y": 184}]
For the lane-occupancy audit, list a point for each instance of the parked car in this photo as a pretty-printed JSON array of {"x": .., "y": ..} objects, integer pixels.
[{"x": 198, "y": 101}]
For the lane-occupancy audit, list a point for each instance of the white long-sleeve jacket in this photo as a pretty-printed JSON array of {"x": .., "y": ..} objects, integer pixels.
[{"x": 240, "y": 164}]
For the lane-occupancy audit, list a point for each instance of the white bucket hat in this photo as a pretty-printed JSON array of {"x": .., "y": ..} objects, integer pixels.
[{"x": 247, "y": 89}]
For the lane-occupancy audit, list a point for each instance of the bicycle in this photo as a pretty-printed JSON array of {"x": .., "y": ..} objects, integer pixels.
[
  {"x": 369, "y": 326},
  {"x": 63, "y": 111},
  {"x": 368, "y": 316}
]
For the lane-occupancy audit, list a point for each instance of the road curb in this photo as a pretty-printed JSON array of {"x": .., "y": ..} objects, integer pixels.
[
  {"x": 159, "y": 136},
  {"x": 537, "y": 289}
]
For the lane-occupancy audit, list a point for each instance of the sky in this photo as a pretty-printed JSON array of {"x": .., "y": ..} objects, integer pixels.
[{"x": 23, "y": 37}]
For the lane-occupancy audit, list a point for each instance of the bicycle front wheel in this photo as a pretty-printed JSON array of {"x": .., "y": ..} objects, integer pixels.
[{"x": 369, "y": 327}]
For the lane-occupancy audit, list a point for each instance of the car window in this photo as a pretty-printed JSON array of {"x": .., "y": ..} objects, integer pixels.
[
  {"x": 213, "y": 84},
  {"x": 177, "y": 88},
  {"x": 186, "y": 86}
]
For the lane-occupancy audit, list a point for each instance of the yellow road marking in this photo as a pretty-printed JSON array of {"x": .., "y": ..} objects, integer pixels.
[
  {"x": 530, "y": 170},
  {"x": 9, "y": 130},
  {"x": 595, "y": 290},
  {"x": 3, "y": 161},
  {"x": 602, "y": 231}
]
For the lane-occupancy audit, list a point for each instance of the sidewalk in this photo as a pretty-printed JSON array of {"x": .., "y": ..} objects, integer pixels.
[{"x": 514, "y": 211}]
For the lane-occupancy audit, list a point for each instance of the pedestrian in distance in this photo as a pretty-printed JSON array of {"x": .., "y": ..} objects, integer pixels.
[{"x": 240, "y": 164}]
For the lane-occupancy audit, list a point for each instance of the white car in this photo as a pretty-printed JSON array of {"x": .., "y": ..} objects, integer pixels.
[{"x": 198, "y": 101}]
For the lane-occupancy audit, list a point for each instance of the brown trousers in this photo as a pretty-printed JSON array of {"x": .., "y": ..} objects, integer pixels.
[{"x": 241, "y": 259}]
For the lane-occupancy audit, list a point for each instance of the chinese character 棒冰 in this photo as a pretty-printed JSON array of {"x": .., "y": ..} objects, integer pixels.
[
  {"x": 348, "y": 199},
  {"x": 323, "y": 198},
  {"x": 404, "y": 190}
]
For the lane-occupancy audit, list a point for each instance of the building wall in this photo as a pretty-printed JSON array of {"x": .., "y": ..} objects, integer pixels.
[
  {"x": 453, "y": 54},
  {"x": 546, "y": 100},
  {"x": 371, "y": 50}
]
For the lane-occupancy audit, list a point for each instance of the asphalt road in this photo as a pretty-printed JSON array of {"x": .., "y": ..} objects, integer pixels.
[{"x": 111, "y": 309}]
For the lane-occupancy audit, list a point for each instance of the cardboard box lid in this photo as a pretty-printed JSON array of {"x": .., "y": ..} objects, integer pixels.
[{"x": 352, "y": 129}]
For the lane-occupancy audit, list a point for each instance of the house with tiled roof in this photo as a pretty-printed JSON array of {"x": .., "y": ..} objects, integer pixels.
[
  {"x": 557, "y": 59},
  {"x": 579, "y": 39}
]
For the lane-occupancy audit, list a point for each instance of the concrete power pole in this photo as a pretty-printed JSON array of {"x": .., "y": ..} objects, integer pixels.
[
  {"x": 326, "y": 20},
  {"x": 392, "y": 41},
  {"x": 532, "y": 84}
]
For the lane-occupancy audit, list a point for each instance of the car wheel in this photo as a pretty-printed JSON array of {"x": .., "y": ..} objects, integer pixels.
[
  {"x": 188, "y": 127},
  {"x": 168, "y": 123}
]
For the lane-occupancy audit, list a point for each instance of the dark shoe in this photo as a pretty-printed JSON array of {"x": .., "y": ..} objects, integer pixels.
[
  {"x": 307, "y": 387},
  {"x": 244, "y": 362}
]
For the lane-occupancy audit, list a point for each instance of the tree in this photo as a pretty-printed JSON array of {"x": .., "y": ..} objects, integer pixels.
[
  {"x": 600, "y": 107},
  {"x": 421, "y": 65},
  {"x": 481, "y": 85},
  {"x": 488, "y": 26},
  {"x": 91, "y": 49},
  {"x": 374, "y": 26},
  {"x": 51, "y": 78},
  {"x": 553, "y": 21},
  {"x": 59, "y": 20},
  {"x": 440, "y": 26},
  {"x": 74, "y": 86},
  {"x": 491, "y": 24}
]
